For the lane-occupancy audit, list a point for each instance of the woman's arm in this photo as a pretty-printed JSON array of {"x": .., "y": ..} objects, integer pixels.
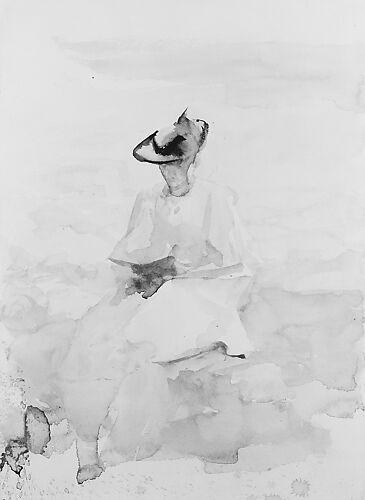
[{"x": 148, "y": 278}]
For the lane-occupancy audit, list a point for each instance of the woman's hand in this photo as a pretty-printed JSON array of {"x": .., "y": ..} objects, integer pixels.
[
  {"x": 142, "y": 286},
  {"x": 148, "y": 278}
]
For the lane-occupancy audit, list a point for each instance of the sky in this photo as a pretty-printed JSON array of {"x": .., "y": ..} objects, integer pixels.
[{"x": 301, "y": 21}]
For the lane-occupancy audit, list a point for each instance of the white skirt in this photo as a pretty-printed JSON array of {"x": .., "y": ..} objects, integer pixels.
[
  {"x": 188, "y": 314},
  {"x": 113, "y": 341},
  {"x": 183, "y": 316}
]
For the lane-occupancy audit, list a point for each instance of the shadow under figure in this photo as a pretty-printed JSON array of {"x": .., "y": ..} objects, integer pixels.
[{"x": 183, "y": 252}]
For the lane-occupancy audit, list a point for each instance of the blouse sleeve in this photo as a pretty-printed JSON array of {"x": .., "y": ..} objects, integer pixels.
[
  {"x": 135, "y": 244},
  {"x": 225, "y": 232}
]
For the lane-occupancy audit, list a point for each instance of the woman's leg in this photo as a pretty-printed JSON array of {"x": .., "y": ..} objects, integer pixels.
[
  {"x": 86, "y": 404},
  {"x": 91, "y": 374},
  {"x": 141, "y": 408},
  {"x": 88, "y": 459}
]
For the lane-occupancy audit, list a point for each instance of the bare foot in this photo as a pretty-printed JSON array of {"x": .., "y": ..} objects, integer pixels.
[{"x": 87, "y": 472}]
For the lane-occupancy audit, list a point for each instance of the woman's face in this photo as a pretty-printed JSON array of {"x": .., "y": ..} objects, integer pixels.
[{"x": 193, "y": 134}]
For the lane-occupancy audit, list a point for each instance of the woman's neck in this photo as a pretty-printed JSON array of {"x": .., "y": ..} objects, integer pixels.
[
  {"x": 176, "y": 177},
  {"x": 179, "y": 188}
]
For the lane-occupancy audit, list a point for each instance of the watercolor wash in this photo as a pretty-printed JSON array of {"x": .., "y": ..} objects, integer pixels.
[
  {"x": 185, "y": 344},
  {"x": 193, "y": 302}
]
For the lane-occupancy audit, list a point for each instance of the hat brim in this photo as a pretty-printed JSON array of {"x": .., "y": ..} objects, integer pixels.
[{"x": 145, "y": 152}]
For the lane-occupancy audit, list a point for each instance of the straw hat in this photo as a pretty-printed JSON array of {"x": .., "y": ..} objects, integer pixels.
[{"x": 181, "y": 140}]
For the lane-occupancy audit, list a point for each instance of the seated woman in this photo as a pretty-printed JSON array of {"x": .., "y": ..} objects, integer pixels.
[{"x": 182, "y": 252}]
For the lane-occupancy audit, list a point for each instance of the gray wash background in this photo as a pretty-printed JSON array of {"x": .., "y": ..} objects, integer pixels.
[{"x": 282, "y": 86}]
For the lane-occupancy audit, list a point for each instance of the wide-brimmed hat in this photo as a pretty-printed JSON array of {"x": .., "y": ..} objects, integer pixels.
[{"x": 183, "y": 139}]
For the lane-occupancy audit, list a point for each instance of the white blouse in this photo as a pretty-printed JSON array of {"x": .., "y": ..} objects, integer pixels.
[{"x": 200, "y": 229}]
